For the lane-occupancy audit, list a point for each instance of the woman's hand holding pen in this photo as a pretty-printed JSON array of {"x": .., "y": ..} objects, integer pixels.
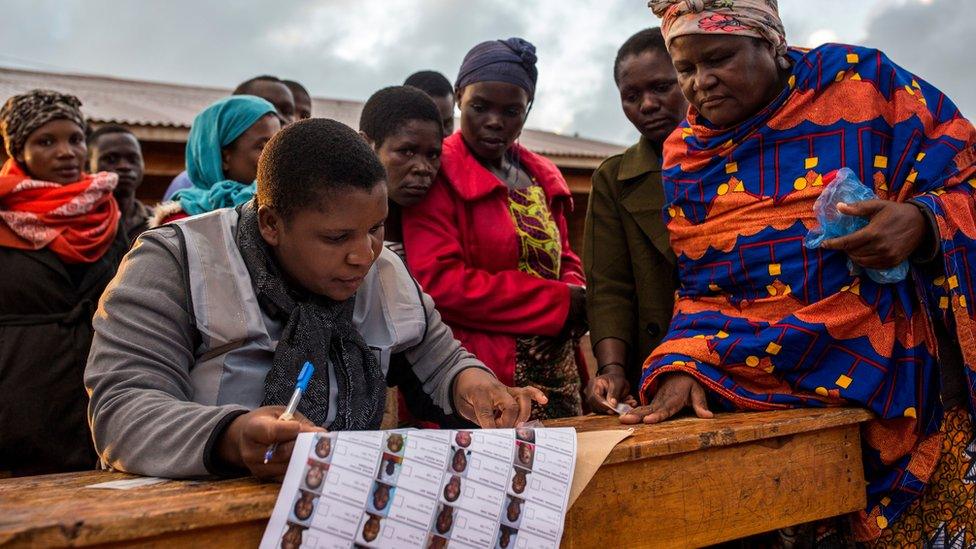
[
  {"x": 482, "y": 399},
  {"x": 244, "y": 442}
]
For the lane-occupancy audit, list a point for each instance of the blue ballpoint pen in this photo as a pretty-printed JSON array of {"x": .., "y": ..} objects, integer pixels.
[{"x": 303, "y": 378}]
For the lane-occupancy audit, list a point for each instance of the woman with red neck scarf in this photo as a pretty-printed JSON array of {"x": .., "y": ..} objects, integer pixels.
[
  {"x": 489, "y": 243},
  {"x": 60, "y": 244}
]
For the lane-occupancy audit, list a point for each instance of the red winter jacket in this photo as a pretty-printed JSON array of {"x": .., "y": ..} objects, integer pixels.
[{"x": 462, "y": 247}]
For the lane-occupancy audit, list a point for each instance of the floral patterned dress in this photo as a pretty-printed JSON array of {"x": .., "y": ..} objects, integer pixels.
[{"x": 540, "y": 252}]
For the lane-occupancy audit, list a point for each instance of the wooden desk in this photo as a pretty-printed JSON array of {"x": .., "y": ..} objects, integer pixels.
[
  {"x": 692, "y": 482},
  {"x": 687, "y": 482}
]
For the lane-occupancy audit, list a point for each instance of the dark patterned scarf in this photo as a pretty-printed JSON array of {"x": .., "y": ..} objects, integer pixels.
[
  {"x": 22, "y": 114},
  {"x": 317, "y": 329}
]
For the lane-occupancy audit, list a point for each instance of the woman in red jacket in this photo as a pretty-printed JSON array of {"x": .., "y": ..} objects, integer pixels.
[{"x": 490, "y": 243}]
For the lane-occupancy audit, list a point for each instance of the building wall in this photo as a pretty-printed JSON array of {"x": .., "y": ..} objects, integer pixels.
[
  {"x": 164, "y": 160},
  {"x": 579, "y": 185}
]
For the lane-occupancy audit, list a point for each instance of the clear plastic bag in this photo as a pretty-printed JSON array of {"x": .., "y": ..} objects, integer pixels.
[{"x": 847, "y": 188}]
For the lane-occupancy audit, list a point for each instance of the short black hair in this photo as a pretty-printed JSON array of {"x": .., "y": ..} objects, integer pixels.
[
  {"x": 296, "y": 87},
  {"x": 304, "y": 163},
  {"x": 107, "y": 129},
  {"x": 646, "y": 40},
  {"x": 387, "y": 110},
  {"x": 245, "y": 87},
  {"x": 432, "y": 83}
]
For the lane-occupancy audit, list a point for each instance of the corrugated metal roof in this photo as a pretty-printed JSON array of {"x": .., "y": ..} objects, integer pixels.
[{"x": 157, "y": 104}]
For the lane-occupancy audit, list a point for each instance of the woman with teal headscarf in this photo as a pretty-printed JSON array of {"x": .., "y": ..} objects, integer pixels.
[{"x": 222, "y": 154}]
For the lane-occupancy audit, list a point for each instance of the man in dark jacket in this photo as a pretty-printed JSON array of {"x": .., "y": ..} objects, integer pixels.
[
  {"x": 113, "y": 148},
  {"x": 630, "y": 268}
]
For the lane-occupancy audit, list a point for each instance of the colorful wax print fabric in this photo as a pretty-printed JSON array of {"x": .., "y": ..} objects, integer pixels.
[
  {"x": 765, "y": 323},
  {"x": 945, "y": 512},
  {"x": 541, "y": 250}
]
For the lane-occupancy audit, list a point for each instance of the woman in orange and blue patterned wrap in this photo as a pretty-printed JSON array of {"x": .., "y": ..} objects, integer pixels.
[{"x": 763, "y": 322}]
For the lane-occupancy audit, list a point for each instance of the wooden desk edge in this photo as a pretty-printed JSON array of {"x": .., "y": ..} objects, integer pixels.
[
  {"x": 689, "y": 434},
  {"x": 60, "y": 526},
  {"x": 182, "y": 507}
]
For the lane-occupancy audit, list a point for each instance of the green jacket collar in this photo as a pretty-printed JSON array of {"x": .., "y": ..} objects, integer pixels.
[{"x": 640, "y": 159}]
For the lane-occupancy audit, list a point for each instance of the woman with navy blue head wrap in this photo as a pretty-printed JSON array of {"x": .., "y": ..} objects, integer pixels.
[{"x": 490, "y": 243}]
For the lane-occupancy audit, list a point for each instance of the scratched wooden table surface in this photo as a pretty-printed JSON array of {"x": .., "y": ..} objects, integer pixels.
[
  {"x": 683, "y": 483},
  {"x": 691, "y": 482}
]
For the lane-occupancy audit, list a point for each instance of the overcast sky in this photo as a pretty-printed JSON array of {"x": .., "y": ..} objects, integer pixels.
[{"x": 350, "y": 48}]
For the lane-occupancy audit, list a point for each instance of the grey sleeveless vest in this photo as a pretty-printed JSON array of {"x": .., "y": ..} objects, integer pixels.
[{"x": 237, "y": 340}]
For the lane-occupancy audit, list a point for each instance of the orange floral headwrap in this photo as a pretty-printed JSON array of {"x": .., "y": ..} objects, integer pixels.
[{"x": 755, "y": 18}]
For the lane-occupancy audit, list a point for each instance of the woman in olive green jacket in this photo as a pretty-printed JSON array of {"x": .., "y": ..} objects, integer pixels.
[{"x": 630, "y": 268}]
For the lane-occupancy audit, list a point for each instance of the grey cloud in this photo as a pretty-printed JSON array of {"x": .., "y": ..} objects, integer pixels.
[
  {"x": 602, "y": 116},
  {"x": 438, "y": 42},
  {"x": 934, "y": 42},
  {"x": 221, "y": 43},
  {"x": 199, "y": 42}
]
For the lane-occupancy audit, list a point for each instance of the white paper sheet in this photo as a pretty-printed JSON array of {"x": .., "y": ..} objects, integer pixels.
[
  {"x": 494, "y": 488},
  {"x": 129, "y": 483}
]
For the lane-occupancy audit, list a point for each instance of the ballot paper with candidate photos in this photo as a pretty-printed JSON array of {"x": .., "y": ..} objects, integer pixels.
[{"x": 479, "y": 488}]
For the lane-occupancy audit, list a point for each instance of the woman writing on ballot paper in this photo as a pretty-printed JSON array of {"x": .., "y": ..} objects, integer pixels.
[{"x": 201, "y": 335}]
